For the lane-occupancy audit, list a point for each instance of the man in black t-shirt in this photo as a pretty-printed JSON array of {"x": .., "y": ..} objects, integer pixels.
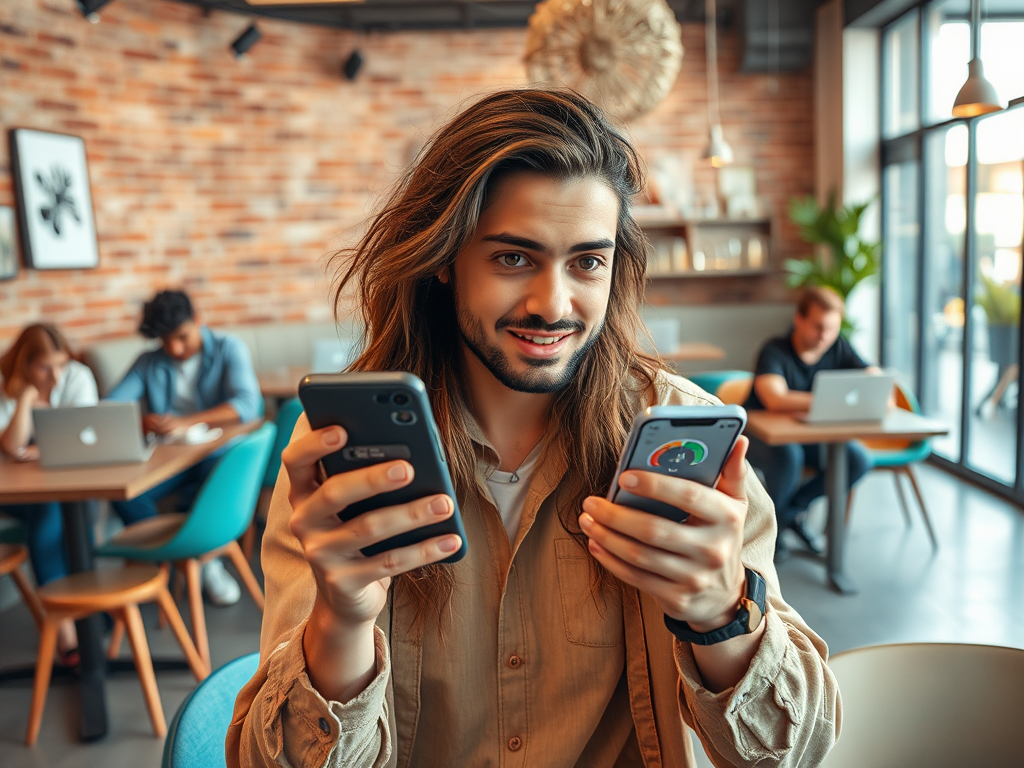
[{"x": 783, "y": 376}]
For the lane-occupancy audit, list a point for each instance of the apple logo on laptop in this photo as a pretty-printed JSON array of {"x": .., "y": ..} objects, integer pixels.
[
  {"x": 88, "y": 436},
  {"x": 852, "y": 398}
]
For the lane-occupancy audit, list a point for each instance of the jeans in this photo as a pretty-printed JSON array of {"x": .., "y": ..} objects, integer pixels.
[
  {"x": 783, "y": 467},
  {"x": 187, "y": 484},
  {"x": 44, "y": 536}
]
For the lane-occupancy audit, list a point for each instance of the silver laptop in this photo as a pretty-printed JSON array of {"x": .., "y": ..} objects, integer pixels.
[
  {"x": 108, "y": 433},
  {"x": 849, "y": 396}
]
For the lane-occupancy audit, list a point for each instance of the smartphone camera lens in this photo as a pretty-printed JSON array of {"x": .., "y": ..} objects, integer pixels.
[
  {"x": 403, "y": 418},
  {"x": 400, "y": 398}
]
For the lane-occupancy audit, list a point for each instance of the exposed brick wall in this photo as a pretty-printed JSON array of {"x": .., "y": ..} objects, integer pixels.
[{"x": 236, "y": 178}]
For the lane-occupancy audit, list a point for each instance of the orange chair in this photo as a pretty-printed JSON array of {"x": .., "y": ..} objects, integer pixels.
[
  {"x": 898, "y": 457},
  {"x": 118, "y": 591}
]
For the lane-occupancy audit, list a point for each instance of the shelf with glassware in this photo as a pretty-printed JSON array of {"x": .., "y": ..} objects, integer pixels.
[{"x": 708, "y": 247}]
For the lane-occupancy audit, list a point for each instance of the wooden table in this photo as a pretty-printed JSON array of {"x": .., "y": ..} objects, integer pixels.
[
  {"x": 29, "y": 483},
  {"x": 281, "y": 383},
  {"x": 783, "y": 429},
  {"x": 691, "y": 351}
]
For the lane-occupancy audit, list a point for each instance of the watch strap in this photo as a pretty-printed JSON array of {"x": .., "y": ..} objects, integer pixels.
[{"x": 756, "y": 593}]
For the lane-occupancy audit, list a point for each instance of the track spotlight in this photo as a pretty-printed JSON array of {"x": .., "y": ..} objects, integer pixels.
[
  {"x": 246, "y": 40},
  {"x": 352, "y": 65},
  {"x": 89, "y": 8}
]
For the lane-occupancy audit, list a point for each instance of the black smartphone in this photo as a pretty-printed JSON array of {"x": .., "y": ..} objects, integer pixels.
[
  {"x": 691, "y": 441},
  {"x": 387, "y": 416}
]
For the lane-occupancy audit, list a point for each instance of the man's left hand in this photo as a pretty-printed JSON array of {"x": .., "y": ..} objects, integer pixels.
[{"x": 693, "y": 568}]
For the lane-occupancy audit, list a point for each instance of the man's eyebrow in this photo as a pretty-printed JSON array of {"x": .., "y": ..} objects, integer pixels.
[
  {"x": 592, "y": 245},
  {"x": 533, "y": 245}
]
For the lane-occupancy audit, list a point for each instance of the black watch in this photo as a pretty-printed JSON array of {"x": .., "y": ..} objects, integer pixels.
[{"x": 749, "y": 615}]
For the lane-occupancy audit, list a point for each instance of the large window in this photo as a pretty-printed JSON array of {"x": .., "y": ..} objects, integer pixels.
[{"x": 953, "y": 196}]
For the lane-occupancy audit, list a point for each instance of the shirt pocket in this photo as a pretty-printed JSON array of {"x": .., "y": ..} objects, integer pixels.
[{"x": 590, "y": 619}]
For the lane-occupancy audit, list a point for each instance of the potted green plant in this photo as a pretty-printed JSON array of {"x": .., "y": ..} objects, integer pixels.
[
  {"x": 1001, "y": 303},
  {"x": 843, "y": 259}
]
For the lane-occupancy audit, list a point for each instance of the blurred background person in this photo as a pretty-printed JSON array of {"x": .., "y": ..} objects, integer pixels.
[{"x": 40, "y": 371}]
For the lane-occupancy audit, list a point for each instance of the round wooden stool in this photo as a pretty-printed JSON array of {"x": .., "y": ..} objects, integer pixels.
[
  {"x": 118, "y": 591},
  {"x": 12, "y": 557}
]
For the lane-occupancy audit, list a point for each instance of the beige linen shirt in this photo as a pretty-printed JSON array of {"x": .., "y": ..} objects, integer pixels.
[{"x": 535, "y": 669}]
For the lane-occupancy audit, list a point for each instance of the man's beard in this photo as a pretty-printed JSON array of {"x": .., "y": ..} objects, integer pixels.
[{"x": 538, "y": 381}]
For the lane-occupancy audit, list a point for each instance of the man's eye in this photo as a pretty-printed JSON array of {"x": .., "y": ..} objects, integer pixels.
[
  {"x": 588, "y": 263},
  {"x": 511, "y": 260}
]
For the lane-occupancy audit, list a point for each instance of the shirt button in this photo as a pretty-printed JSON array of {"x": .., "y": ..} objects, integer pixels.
[
  {"x": 515, "y": 661},
  {"x": 515, "y": 743},
  {"x": 324, "y": 725}
]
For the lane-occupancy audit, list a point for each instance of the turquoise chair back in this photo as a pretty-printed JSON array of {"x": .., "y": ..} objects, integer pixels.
[
  {"x": 195, "y": 738},
  {"x": 225, "y": 504},
  {"x": 710, "y": 381},
  {"x": 287, "y": 415},
  {"x": 223, "y": 507}
]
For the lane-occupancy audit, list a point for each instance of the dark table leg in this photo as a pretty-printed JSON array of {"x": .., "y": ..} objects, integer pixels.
[
  {"x": 835, "y": 489},
  {"x": 92, "y": 688}
]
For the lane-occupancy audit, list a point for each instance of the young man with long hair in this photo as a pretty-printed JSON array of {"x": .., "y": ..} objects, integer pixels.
[{"x": 507, "y": 272}]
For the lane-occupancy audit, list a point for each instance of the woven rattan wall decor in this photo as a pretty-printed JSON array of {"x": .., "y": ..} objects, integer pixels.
[{"x": 623, "y": 54}]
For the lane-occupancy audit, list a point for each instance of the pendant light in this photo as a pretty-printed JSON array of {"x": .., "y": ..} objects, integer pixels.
[
  {"x": 718, "y": 150},
  {"x": 977, "y": 96}
]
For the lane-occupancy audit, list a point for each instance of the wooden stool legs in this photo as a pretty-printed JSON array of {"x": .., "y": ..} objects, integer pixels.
[
  {"x": 128, "y": 620},
  {"x": 200, "y": 669},
  {"x": 144, "y": 665},
  {"x": 241, "y": 564},
  {"x": 195, "y": 604},
  {"x": 44, "y": 667}
]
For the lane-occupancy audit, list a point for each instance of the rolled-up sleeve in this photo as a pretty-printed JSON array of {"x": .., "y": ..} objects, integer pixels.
[
  {"x": 279, "y": 718},
  {"x": 786, "y": 710}
]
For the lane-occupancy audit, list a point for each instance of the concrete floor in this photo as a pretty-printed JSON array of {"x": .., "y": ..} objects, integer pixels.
[{"x": 968, "y": 592}]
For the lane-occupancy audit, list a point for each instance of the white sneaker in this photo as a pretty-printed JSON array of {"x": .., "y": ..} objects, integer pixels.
[{"x": 219, "y": 587}]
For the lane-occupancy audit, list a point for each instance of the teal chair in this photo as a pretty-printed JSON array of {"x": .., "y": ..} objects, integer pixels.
[
  {"x": 899, "y": 457},
  {"x": 731, "y": 387},
  {"x": 220, "y": 514},
  {"x": 200, "y": 726},
  {"x": 287, "y": 415}
]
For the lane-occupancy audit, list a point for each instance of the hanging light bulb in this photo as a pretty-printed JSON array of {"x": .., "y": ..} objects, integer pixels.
[
  {"x": 977, "y": 96},
  {"x": 718, "y": 150}
]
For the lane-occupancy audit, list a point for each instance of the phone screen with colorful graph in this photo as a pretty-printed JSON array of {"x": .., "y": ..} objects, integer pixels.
[{"x": 686, "y": 441}]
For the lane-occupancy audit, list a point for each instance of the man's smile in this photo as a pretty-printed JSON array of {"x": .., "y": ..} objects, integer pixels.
[{"x": 542, "y": 339}]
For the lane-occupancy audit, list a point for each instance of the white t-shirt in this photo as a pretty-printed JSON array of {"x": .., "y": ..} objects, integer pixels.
[
  {"x": 76, "y": 387},
  {"x": 186, "y": 376},
  {"x": 510, "y": 495}
]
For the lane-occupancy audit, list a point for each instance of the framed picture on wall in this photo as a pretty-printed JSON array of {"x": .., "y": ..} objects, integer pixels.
[
  {"x": 51, "y": 188},
  {"x": 8, "y": 248}
]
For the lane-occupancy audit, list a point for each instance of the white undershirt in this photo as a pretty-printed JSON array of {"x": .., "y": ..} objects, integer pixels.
[
  {"x": 186, "y": 376},
  {"x": 509, "y": 496}
]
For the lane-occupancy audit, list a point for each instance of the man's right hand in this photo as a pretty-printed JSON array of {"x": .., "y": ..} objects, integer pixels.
[
  {"x": 156, "y": 423},
  {"x": 352, "y": 588}
]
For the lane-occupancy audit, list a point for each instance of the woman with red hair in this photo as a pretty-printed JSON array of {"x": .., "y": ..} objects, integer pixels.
[{"x": 40, "y": 371}]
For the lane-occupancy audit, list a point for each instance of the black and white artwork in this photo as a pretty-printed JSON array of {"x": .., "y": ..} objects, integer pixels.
[
  {"x": 8, "y": 248},
  {"x": 51, "y": 184}
]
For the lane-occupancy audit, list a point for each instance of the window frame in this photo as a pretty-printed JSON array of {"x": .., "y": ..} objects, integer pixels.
[{"x": 909, "y": 146}]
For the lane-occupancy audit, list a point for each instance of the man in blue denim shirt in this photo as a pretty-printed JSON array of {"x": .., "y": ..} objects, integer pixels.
[{"x": 197, "y": 376}]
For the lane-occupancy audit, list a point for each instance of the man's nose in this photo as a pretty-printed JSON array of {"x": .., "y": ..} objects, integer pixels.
[{"x": 550, "y": 296}]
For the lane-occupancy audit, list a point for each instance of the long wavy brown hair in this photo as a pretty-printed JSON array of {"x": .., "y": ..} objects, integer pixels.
[
  {"x": 409, "y": 319},
  {"x": 33, "y": 342}
]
